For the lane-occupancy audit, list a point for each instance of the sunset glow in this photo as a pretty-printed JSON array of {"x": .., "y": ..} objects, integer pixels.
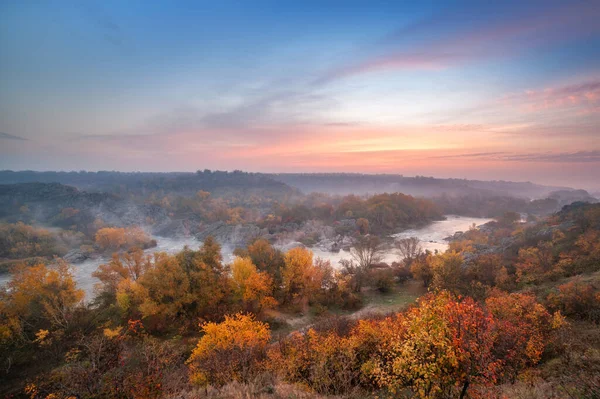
[{"x": 508, "y": 91}]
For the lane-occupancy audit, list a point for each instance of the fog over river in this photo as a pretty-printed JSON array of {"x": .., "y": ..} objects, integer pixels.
[{"x": 431, "y": 237}]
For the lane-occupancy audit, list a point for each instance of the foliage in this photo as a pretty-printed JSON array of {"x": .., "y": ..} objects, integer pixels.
[
  {"x": 115, "y": 238},
  {"x": 168, "y": 290},
  {"x": 524, "y": 329},
  {"x": 23, "y": 241},
  {"x": 421, "y": 269},
  {"x": 301, "y": 279},
  {"x": 253, "y": 287},
  {"x": 447, "y": 271},
  {"x": 38, "y": 308},
  {"x": 229, "y": 351},
  {"x": 438, "y": 348},
  {"x": 577, "y": 299},
  {"x": 439, "y": 345}
]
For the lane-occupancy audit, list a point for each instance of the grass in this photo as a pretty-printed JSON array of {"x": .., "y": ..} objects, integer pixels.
[{"x": 374, "y": 302}]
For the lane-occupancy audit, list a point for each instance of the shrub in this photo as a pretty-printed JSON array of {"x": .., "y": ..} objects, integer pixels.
[{"x": 229, "y": 351}]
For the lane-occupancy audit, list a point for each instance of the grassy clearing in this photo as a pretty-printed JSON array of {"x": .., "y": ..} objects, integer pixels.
[{"x": 375, "y": 303}]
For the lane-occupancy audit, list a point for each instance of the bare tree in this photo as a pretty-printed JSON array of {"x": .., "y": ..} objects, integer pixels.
[
  {"x": 365, "y": 252},
  {"x": 409, "y": 249}
]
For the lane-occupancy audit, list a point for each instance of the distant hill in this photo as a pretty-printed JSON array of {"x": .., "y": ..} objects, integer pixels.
[
  {"x": 218, "y": 183},
  {"x": 55, "y": 204},
  {"x": 347, "y": 183},
  {"x": 566, "y": 197}
]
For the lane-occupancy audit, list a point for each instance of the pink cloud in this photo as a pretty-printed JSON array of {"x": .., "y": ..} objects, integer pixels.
[{"x": 584, "y": 97}]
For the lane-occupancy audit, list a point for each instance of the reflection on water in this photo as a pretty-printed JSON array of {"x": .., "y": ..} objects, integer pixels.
[{"x": 431, "y": 236}]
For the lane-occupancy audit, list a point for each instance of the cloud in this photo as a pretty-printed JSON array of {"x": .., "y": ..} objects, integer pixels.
[
  {"x": 560, "y": 157},
  {"x": 583, "y": 96},
  {"x": 276, "y": 106},
  {"x": 462, "y": 127},
  {"x": 546, "y": 157},
  {"x": 472, "y": 155},
  {"x": 404, "y": 61},
  {"x": 11, "y": 137},
  {"x": 444, "y": 41}
]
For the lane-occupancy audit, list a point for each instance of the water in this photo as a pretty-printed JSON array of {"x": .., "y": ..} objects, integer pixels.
[
  {"x": 431, "y": 236},
  {"x": 83, "y": 271}
]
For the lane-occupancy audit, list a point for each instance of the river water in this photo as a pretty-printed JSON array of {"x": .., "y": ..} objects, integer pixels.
[{"x": 431, "y": 237}]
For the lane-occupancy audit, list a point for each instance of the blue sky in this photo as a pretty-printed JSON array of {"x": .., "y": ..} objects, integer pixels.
[{"x": 463, "y": 89}]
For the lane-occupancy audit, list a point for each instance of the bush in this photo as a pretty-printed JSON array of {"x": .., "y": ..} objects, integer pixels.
[{"x": 229, "y": 351}]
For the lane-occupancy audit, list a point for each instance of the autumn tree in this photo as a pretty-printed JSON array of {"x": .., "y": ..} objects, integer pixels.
[
  {"x": 301, "y": 279},
  {"x": 577, "y": 299},
  {"x": 447, "y": 271},
  {"x": 254, "y": 288},
  {"x": 229, "y": 351},
  {"x": 115, "y": 238},
  {"x": 440, "y": 347},
  {"x": 167, "y": 291},
  {"x": 39, "y": 305},
  {"x": 324, "y": 361},
  {"x": 484, "y": 268},
  {"x": 266, "y": 258},
  {"x": 421, "y": 269},
  {"x": 22, "y": 241},
  {"x": 524, "y": 330},
  {"x": 534, "y": 262},
  {"x": 44, "y": 295},
  {"x": 129, "y": 265}
]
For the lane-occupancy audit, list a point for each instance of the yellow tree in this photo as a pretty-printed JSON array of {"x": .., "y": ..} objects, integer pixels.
[
  {"x": 44, "y": 296},
  {"x": 229, "y": 351},
  {"x": 421, "y": 269},
  {"x": 38, "y": 306},
  {"x": 447, "y": 270},
  {"x": 254, "y": 288},
  {"x": 300, "y": 277}
]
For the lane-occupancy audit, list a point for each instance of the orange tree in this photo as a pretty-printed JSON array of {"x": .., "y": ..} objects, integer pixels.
[
  {"x": 524, "y": 329},
  {"x": 229, "y": 351},
  {"x": 442, "y": 345},
  {"x": 253, "y": 288}
]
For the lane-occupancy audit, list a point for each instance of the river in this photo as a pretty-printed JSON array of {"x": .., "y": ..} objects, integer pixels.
[{"x": 431, "y": 237}]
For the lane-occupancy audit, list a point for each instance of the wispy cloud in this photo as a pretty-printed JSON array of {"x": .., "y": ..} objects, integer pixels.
[
  {"x": 463, "y": 41},
  {"x": 583, "y": 96},
  {"x": 7, "y": 136},
  {"x": 559, "y": 157},
  {"x": 475, "y": 155},
  {"x": 546, "y": 157}
]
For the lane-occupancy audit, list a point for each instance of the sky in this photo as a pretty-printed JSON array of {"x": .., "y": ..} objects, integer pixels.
[{"x": 467, "y": 89}]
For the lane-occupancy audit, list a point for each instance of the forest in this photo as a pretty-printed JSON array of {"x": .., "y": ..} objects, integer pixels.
[{"x": 510, "y": 309}]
